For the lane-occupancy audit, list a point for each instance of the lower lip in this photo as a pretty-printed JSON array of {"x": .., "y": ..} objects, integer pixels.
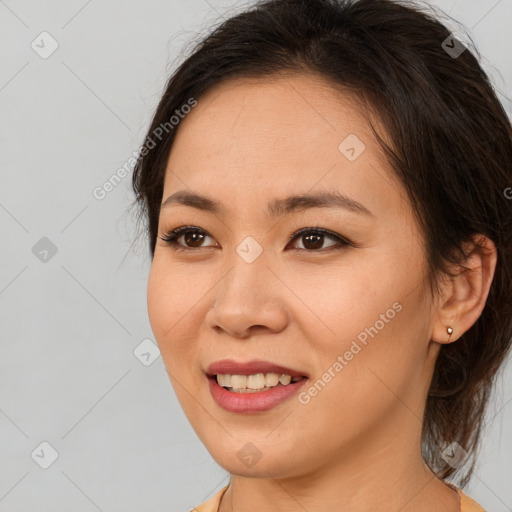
[{"x": 252, "y": 402}]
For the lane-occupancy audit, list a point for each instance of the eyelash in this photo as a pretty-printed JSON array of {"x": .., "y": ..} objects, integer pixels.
[{"x": 172, "y": 236}]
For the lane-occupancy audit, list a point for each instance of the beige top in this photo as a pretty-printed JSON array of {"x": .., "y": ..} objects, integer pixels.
[{"x": 212, "y": 505}]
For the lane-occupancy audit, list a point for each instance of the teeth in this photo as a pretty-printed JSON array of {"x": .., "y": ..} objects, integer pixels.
[
  {"x": 224, "y": 380},
  {"x": 271, "y": 379},
  {"x": 257, "y": 381},
  {"x": 239, "y": 381},
  {"x": 285, "y": 379},
  {"x": 251, "y": 383}
]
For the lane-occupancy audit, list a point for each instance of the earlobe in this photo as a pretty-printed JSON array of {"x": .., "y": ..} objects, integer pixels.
[{"x": 465, "y": 292}]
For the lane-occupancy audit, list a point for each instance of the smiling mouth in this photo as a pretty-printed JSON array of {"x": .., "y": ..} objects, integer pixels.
[{"x": 255, "y": 383}]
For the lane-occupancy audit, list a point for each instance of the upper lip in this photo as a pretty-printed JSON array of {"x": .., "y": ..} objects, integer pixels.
[{"x": 228, "y": 366}]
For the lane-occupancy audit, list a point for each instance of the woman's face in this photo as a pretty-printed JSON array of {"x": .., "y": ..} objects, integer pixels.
[{"x": 348, "y": 312}]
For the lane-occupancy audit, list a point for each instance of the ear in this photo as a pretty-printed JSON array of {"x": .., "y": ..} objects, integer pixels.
[{"x": 464, "y": 295}]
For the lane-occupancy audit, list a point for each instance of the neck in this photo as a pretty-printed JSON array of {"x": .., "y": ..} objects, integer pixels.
[{"x": 384, "y": 473}]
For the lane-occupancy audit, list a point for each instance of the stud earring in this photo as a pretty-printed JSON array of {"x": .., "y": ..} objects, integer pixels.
[{"x": 449, "y": 330}]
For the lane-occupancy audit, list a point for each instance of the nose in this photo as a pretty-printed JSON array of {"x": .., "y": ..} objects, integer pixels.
[{"x": 249, "y": 298}]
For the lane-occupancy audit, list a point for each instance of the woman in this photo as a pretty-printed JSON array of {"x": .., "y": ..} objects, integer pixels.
[{"x": 324, "y": 184}]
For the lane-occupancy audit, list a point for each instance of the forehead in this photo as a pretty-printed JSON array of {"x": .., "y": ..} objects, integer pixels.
[{"x": 292, "y": 133}]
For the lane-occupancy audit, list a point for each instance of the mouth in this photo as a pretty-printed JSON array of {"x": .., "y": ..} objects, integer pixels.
[
  {"x": 251, "y": 387},
  {"x": 255, "y": 383}
]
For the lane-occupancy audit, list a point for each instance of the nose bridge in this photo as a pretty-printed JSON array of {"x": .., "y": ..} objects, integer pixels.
[
  {"x": 246, "y": 295},
  {"x": 248, "y": 274}
]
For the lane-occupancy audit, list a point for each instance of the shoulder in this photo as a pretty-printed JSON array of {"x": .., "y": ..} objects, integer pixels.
[
  {"x": 466, "y": 503},
  {"x": 212, "y": 505},
  {"x": 469, "y": 505}
]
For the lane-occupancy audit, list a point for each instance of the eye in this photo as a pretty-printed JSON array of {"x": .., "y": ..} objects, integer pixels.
[
  {"x": 312, "y": 239},
  {"x": 192, "y": 235}
]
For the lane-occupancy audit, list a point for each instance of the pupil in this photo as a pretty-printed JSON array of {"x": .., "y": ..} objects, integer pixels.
[
  {"x": 316, "y": 241},
  {"x": 189, "y": 239}
]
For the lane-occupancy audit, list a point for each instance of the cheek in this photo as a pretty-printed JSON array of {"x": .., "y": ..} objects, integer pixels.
[
  {"x": 378, "y": 360},
  {"x": 339, "y": 303},
  {"x": 172, "y": 304},
  {"x": 172, "y": 293},
  {"x": 374, "y": 371},
  {"x": 172, "y": 299},
  {"x": 373, "y": 333}
]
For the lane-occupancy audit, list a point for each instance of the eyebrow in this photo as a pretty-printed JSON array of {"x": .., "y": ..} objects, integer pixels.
[{"x": 276, "y": 207}]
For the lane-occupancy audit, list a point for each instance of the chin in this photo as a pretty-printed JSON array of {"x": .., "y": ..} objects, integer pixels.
[{"x": 252, "y": 460}]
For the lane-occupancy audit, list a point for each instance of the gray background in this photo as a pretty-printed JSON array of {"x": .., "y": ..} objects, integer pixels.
[{"x": 71, "y": 321}]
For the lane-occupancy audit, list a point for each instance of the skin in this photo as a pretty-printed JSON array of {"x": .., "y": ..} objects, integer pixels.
[{"x": 356, "y": 446}]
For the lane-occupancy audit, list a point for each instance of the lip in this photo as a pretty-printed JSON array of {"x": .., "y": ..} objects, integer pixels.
[
  {"x": 248, "y": 403},
  {"x": 250, "y": 368}
]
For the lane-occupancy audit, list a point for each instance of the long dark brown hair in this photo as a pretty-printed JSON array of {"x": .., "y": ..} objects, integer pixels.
[{"x": 450, "y": 144}]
